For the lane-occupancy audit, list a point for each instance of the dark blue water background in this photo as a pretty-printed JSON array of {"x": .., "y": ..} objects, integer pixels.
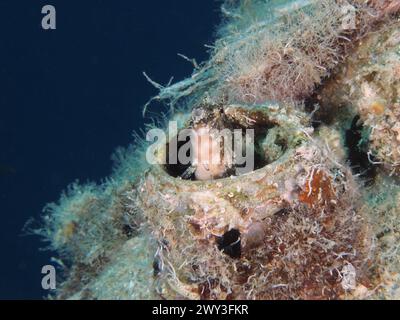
[{"x": 70, "y": 96}]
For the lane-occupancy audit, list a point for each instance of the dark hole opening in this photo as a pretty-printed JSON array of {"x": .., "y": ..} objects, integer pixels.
[
  {"x": 129, "y": 231},
  {"x": 358, "y": 152},
  {"x": 175, "y": 168},
  {"x": 156, "y": 267},
  {"x": 230, "y": 244}
]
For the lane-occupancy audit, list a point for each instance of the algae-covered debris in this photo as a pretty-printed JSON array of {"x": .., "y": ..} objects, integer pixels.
[{"x": 310, "y": 89}]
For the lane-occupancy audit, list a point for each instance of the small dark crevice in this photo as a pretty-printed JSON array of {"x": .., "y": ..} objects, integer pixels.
[
  {"x": 129, "y": 231},
  {"x": 319, "y": 114},
  {"x": 282, "y": 213},
  {"x": 357, "y": 149},
  {"x": 230, "y": 244},
  {"x": 384, "y": 232},
  {"x": 156, "y": 267},
  {"x": 312, "y": 107}
]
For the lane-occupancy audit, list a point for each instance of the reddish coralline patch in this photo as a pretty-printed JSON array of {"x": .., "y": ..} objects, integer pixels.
[{"x": 321, "y": 192}]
